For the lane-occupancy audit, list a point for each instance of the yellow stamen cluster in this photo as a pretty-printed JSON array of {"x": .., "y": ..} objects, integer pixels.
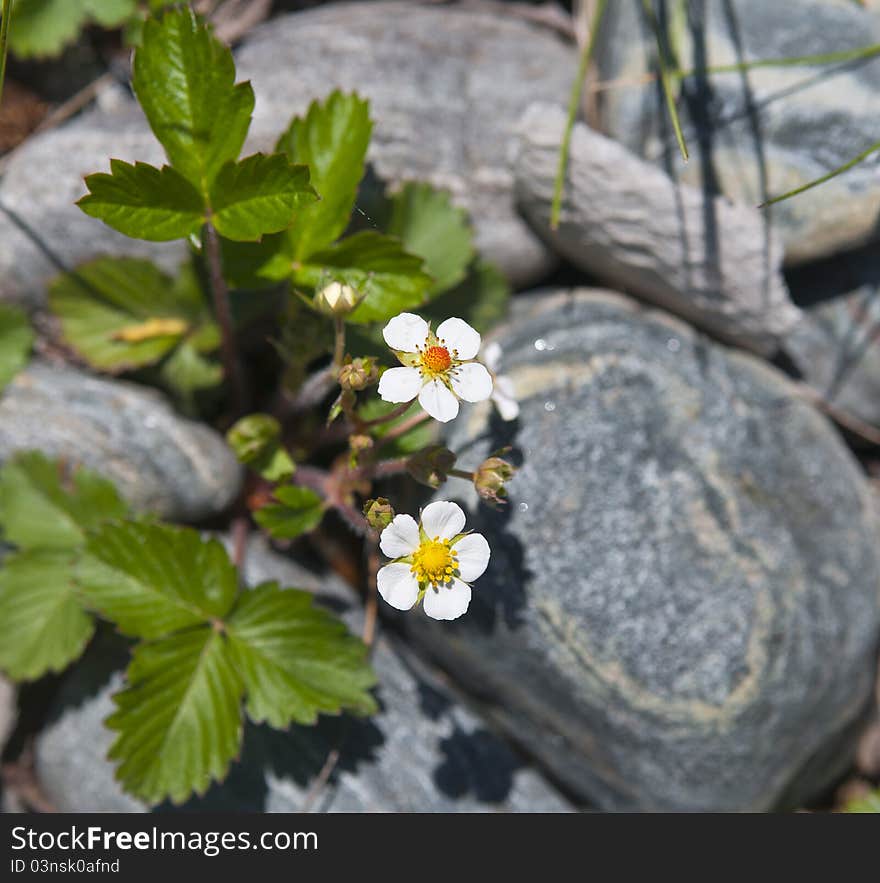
[
  {"x": 434, "y": 562},
  {"x": 436, "y": 360}
]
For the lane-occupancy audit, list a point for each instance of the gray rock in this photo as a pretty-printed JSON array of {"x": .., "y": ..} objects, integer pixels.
[
  {"x": 42, "y": 232},
  {"x": 446, "y": 87},
  {"x": 626, "y": 222},
  {"x": 423, "y": 752},
  {"x": 836, "y": 345},
  {"x": 683, "y": 604},
  {"x": 160, "y": 462},
  {"x": 768, "y": 132}
]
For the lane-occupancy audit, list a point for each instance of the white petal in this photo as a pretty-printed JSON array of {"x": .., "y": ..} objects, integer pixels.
[
  {"x": 492, "y": 355},
  {"x": 400, "y": 384},
  {"x": 473, "y": 556},
  {"x": 437, "y": 400},
  {"x": 504, "y": 398},
  {"x": 400, "y": 538},
  {"x": 472, "y": 382},
  {"x": 447, "y": 602},
  {"x": 406, "y": 332},
  {"x": 442, "y": 519},
  {"x": 458, "y": 336},
  {"x": 397, "y": 585}
]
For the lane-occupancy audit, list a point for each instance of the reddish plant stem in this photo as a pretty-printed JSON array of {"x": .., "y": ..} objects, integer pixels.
[
  {"x": 385, "y": 418},
  {"x": 403, "y": 428},
  {"x": 228, "y": 347}
]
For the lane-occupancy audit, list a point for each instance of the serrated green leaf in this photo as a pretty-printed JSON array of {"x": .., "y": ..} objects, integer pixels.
[
  {"x": 179, "y": 718},
  {"x": 151, "y": 579},
  {"x": 45, "y": 505},
  {"x": 16, "y": 339},
  {"x": 296, "y": 659},
  {"x": 481, "y": 299},
  {"x": 258, "y": 195},
  {"x": 414, "y": 440},
  {"x": 393, "y": 279},
  {"x": 43, "y": 626},
  {"x": 40, "y": 28},
  {"x": 297, "y": 511},
  {"x": 144, "y": 202},
  {"x": 123, "y": 313},
  {"x": 332, "y": 140},
  {"x": 430, "y": 226},
  {"x": 184, "y": 79}
]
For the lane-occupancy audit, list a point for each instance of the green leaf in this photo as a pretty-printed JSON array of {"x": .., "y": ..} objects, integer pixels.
[
  {"x": 186, "y": 372},
  {"x": 869, "y": 803},
  {"x": 429, "y": 226},
  {"x": 414, "y": 440},
  {"x": 151, "y": 579},
  {"x": 45, "y": 505},
  {"x": 144, "y": 202},
  {"x": 296, "y": 659},
  {"x": 481, "y": 299},
  {"x": 43, "y": 626},
  {"x": 256, "y": 441},
  {"x": 16, "y": 339},
  {"x": 258, "y": 195},
  {"x": 332, "y": 140},
  {"x": 40, "y": 28},
  {"x": 179, "y": 719},
  {"x": 184, "y": 79},
  {"x": 297, "y": 511},
  {"x": 393, "y": 279},
  {"x": 123, "y": 313}
]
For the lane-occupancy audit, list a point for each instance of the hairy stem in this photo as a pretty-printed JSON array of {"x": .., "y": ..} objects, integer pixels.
[
  {"x": 461, "y": 473},
  {"x": 393, "y": 414},
  {"x": 403, "y": 428},
  {"x": 228, "y": 346},
  {"x": 339, "y": 341}
]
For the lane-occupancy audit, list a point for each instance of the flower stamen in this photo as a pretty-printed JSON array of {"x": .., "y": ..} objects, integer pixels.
[
  {"x": 436, "y": 360},
  {"x": 434, "y": 562}
]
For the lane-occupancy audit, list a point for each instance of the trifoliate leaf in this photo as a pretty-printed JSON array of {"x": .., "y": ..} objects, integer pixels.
[
  {"x": 296, "y": 659},
  {"x": 46, "y": 505},
  {"x": 43, "y": 626},
  {"x": 369, "y": 262},
  {"x": 429, "y": 226},
  {"x": 16, "y": 338},
  {"x": 258, "y": 195},
  {"x": 144, "y": 202},
  {"x": 151, "y": 579},
  {"x": 332, "y": 141},
  {"x": 179, "y": 718},
  {"x": 123, "y": 313},
  {"x": 297, "y": 511},
  {"x": 481, "y": 299},
  {"x": 184, "y": 79},
  {"x": 40, "y": 28}
]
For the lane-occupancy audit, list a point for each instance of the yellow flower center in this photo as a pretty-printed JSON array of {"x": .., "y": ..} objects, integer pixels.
[
  {"x": 436, "y": 359},
  {"x": 434, "y": 562}
]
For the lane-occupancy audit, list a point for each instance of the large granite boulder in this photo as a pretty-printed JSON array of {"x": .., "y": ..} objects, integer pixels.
[
  {"x": 423, "y": 752},
  {"x": 479, "y": 71},
  {"x": 629, "y": 224},
  {"x": 768, "y": 131},
  {"x": 159, "y": 461},
  {"x": 683, "y": 604}
]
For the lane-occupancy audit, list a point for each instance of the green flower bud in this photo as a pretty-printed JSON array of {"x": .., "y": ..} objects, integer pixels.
[
  {"x": 490, "y": 478},
  {"x": 431, "y": 465},
  {"x": 358, "y": 374},
  {"x": 379, "y": 513},
  {"x": 336, "y": 299}
]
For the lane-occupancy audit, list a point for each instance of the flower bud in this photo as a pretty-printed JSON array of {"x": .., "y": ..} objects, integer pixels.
[
  {"x": 490, "y": 478},
  {"x": 357, "y": 445},
  {"x": 431, "y": 465},
  {"x": 336, "y": 299},
  {"x": 379, "y": 513},
  {"x": 358, "y": 374}
]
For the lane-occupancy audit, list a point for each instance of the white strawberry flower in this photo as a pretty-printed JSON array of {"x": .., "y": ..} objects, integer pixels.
[
  {"x": 437, "y": 367},
  {"x": 503, "y": 393},
  {"x": 433, "y": 560}
]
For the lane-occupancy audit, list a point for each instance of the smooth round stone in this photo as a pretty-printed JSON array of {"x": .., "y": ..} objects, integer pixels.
[{"x": 683, "y": 602}]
